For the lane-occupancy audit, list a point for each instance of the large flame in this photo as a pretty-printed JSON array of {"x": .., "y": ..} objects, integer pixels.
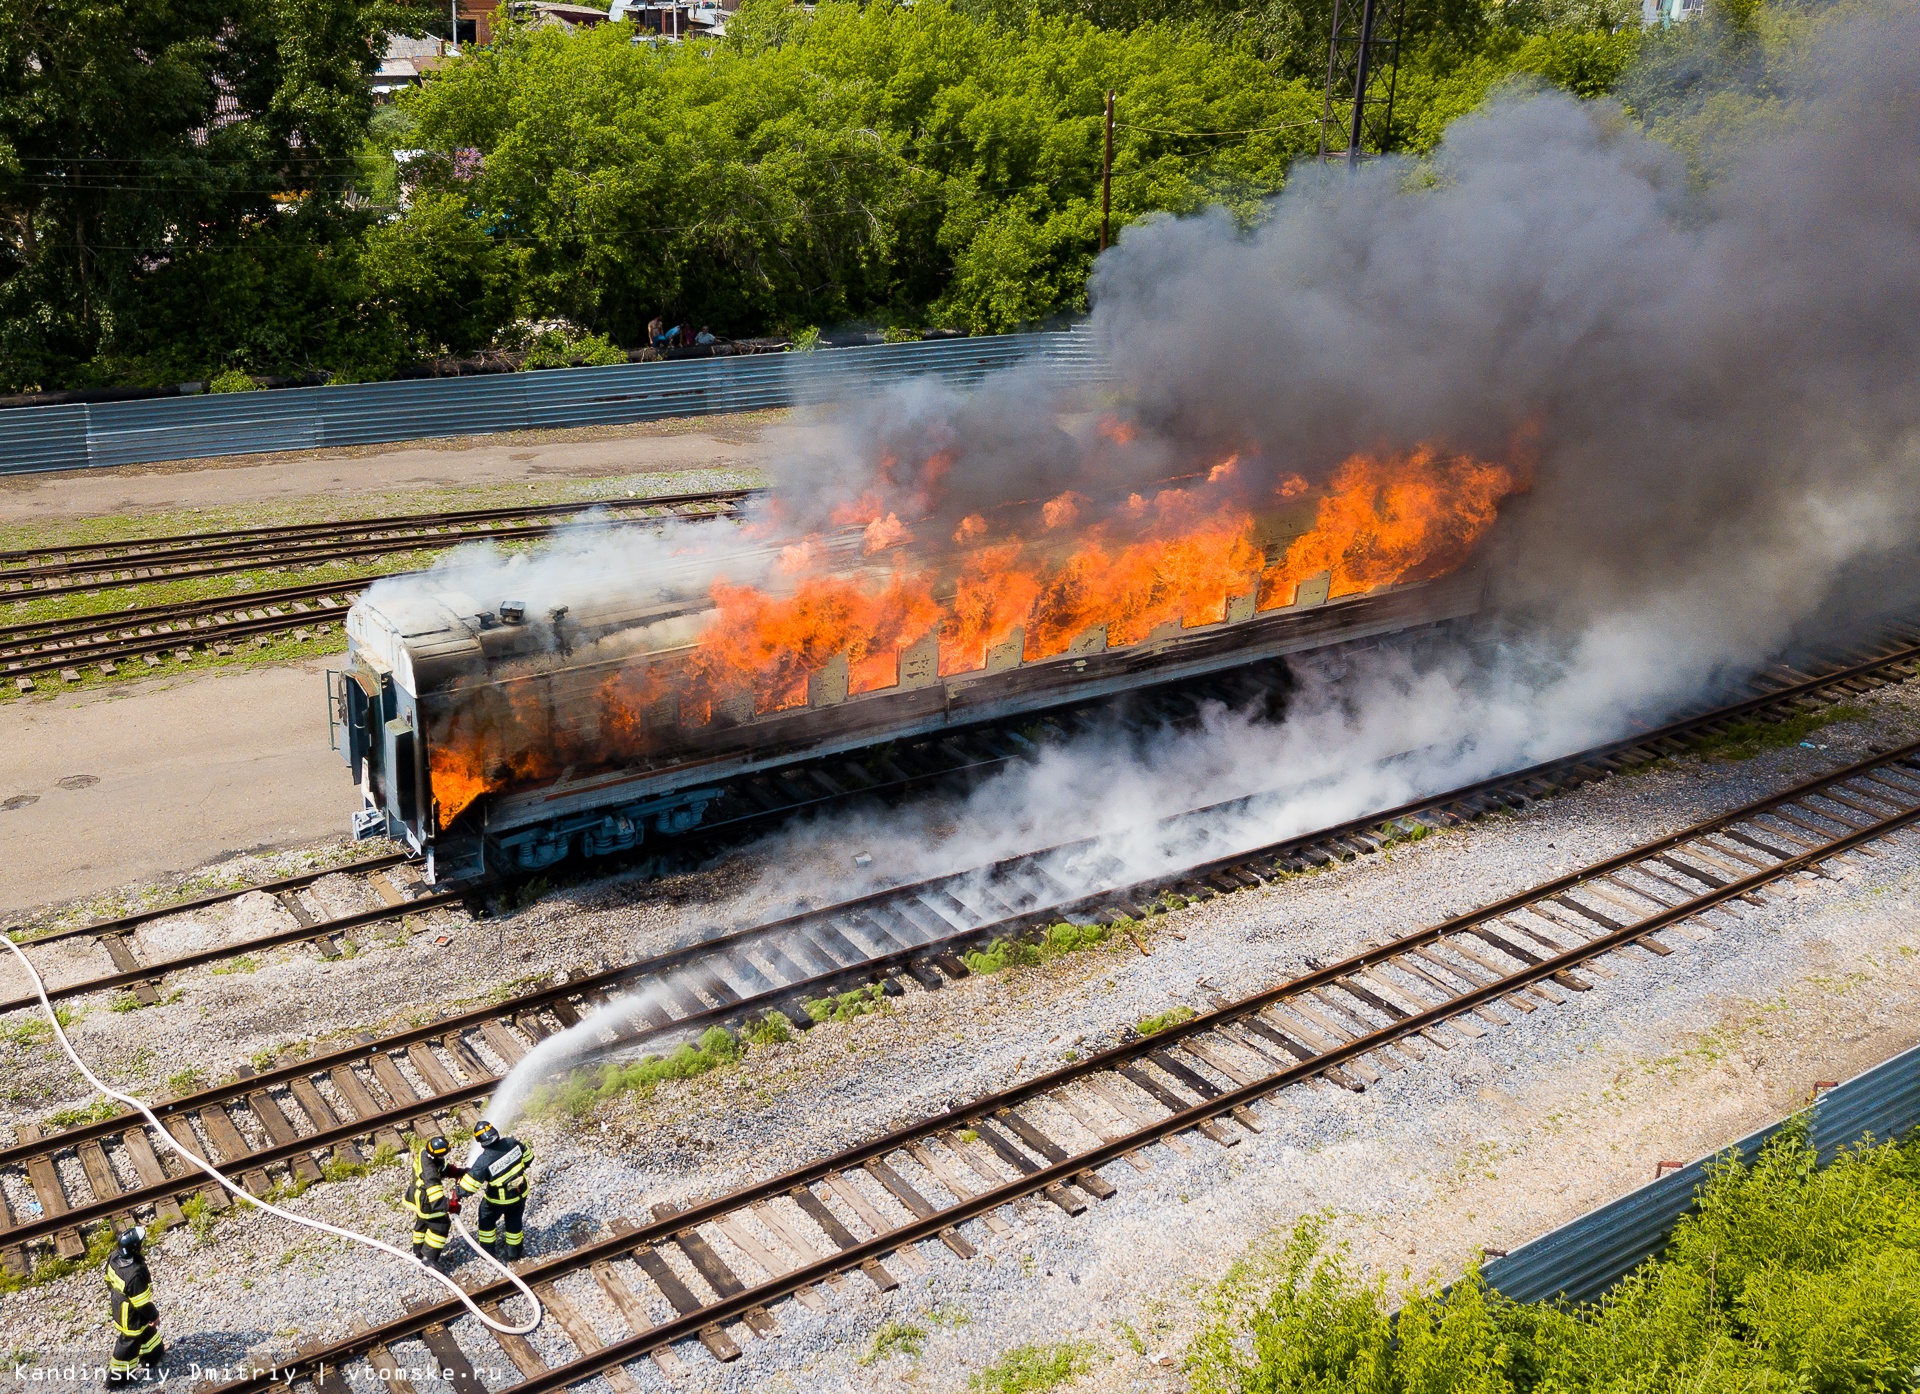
[{"x": 1176, "y": 559}]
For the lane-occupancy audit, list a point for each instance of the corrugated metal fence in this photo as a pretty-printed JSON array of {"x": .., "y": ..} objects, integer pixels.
[
  {"x": 1584, "y": 1258},
  {"x": 179, "y": 428}
]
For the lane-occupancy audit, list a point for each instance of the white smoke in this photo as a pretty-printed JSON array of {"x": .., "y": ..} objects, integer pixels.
[{"x": 553, "y": 1057}]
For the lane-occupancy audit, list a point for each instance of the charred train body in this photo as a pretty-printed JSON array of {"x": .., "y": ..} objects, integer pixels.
[{"x": 493, "y": 739}]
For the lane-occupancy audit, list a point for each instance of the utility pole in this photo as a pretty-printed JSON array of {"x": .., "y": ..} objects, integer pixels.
[
  {"x": 1356, "y": 118},
  {"x": 453, "y": 26},
  {"x": 1106, "y": 180}
]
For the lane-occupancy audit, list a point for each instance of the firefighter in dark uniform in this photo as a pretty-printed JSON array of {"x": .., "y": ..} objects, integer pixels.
[
  {"x": 430, "y": 1199},
  {"x": 498, "y": 1175},
  {"x": 138, "y": 1350}
]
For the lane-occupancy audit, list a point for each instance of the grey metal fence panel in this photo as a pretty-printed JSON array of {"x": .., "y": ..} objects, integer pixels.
[
  {"x": 125, "y": 433},
  {"x": 373, "y": 412},
  {"x": 119, "y": 433},
  {"x": 50, "y": 433},
  {"x": 1585, "y": 1257}
]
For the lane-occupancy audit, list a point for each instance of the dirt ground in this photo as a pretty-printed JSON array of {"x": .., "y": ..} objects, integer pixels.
[
  {"x": 137, "y": 781},
  {"x": 589, "y": 452}
]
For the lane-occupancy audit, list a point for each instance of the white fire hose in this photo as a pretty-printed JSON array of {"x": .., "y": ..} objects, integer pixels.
[{"x": 445, "y": 1280}]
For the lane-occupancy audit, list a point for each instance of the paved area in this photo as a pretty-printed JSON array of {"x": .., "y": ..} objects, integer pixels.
[{"x": 140, "y": 781}]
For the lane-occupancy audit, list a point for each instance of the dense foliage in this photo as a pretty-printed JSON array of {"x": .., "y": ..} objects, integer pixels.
[
  {"x": 139, "y": 208},
  {"x": 1788, "y": 1278},
  {"x": 204, "y": 186},
  {"x": 877, "y": 162}
]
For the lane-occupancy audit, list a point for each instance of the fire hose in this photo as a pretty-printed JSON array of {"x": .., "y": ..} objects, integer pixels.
[{"x": 200, "y": 1164}]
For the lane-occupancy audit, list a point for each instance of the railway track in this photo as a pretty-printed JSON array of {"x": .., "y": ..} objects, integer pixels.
[
  {"x": 38, "y": 572},
  {"x": 30, "y": 649},
  {"x": 265, "y": 1122},
  {"x": 714, "y": 1271},
  {"x": 959, "y": 760}
]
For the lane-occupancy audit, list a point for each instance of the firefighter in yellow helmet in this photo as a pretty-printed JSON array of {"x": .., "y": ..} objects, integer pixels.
[
  {"x": 431, "y": 1199},
  {"x": 498, "y": 1175},
  {"x": 137, "y": 1350}
]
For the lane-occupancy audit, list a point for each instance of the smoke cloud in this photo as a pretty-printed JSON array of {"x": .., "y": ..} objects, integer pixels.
[
  {"x": 1712, "y": 389},
  {"x": 1715, "y": 388}
]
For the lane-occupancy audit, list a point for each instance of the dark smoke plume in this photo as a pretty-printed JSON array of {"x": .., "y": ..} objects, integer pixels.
[{"x": 1717, "y": 389}]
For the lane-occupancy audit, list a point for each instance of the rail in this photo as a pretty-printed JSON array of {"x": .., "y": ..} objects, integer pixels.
[
  {"x": 903, "y": 933},
  {"x": 1047, "y": 1138},
  {"x": 98, "y": 434}
]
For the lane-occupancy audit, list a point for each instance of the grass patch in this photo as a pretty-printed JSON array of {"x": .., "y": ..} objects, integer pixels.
[
  {"x": 127, "y": 1002},
  {"x": 521, "y": 896},
  {"x": 1059, "y": 939},
  {"x": 1034, "y": 1367},
  {"x": 896, "y": 1338},
  {"x": 185, "y": 1081},
  {"x": 99, "y": 1111},
  {"x": 1745, "y": 739},
  {"x": 586, "y": 1090},
  {"x": 1153, "y": 1025},
  {"x": 848, "y": 1005},
  {"x": 27, "y": 1031},
  {"x": 771, "y": 1029},
  {"x": 246, "y": 963},
  {"x": 52, "y": 1270}
]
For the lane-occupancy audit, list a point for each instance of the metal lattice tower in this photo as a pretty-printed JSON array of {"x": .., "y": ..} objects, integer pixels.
[{"x": 1356, "y": 120}]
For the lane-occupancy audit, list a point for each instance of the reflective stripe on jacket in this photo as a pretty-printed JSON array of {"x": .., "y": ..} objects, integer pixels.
[
  {"x": 427, "y": 1190},
  {"x": 499, "y": 1173},
  {"x": 130, "y": 1295}
]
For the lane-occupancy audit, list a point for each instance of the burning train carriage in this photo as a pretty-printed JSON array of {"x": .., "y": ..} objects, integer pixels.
[{"x": 489, "y": 738}]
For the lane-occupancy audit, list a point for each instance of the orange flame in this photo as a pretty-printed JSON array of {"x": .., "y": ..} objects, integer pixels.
[
  {"x": 1404, "y": 518},
  {"x": 884, "y": 532},
  {"x": 1178, "y": 557},
  {"x": 456, "y": 778}
]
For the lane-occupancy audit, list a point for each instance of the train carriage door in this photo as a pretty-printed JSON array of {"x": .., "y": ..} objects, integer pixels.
[{"x": 352, "y": 713}]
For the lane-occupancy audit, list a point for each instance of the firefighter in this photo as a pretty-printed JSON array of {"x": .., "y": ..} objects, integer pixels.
[
  {"x": 431, "y": 1201},
  {"x": 498, "y": 1175},
  {"x": 138, "y": 1350}
]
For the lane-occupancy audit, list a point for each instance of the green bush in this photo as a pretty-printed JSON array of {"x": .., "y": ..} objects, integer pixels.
[
  {"x": 233, "y": 380},
  {"x": 1788, "y": 1277},
  {"x": 1062, "y": 938},
  {"x": 570, "y": 348},
  {"x": 771, "y": 1029}
]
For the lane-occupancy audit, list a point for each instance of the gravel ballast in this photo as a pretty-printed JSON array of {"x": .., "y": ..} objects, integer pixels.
[{"x": 1483, "y": 1145}]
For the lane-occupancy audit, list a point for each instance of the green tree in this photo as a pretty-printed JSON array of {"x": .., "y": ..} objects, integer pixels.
[
  {"x": 876, "y": 162},
  {"x": 136, "y": 135}
]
